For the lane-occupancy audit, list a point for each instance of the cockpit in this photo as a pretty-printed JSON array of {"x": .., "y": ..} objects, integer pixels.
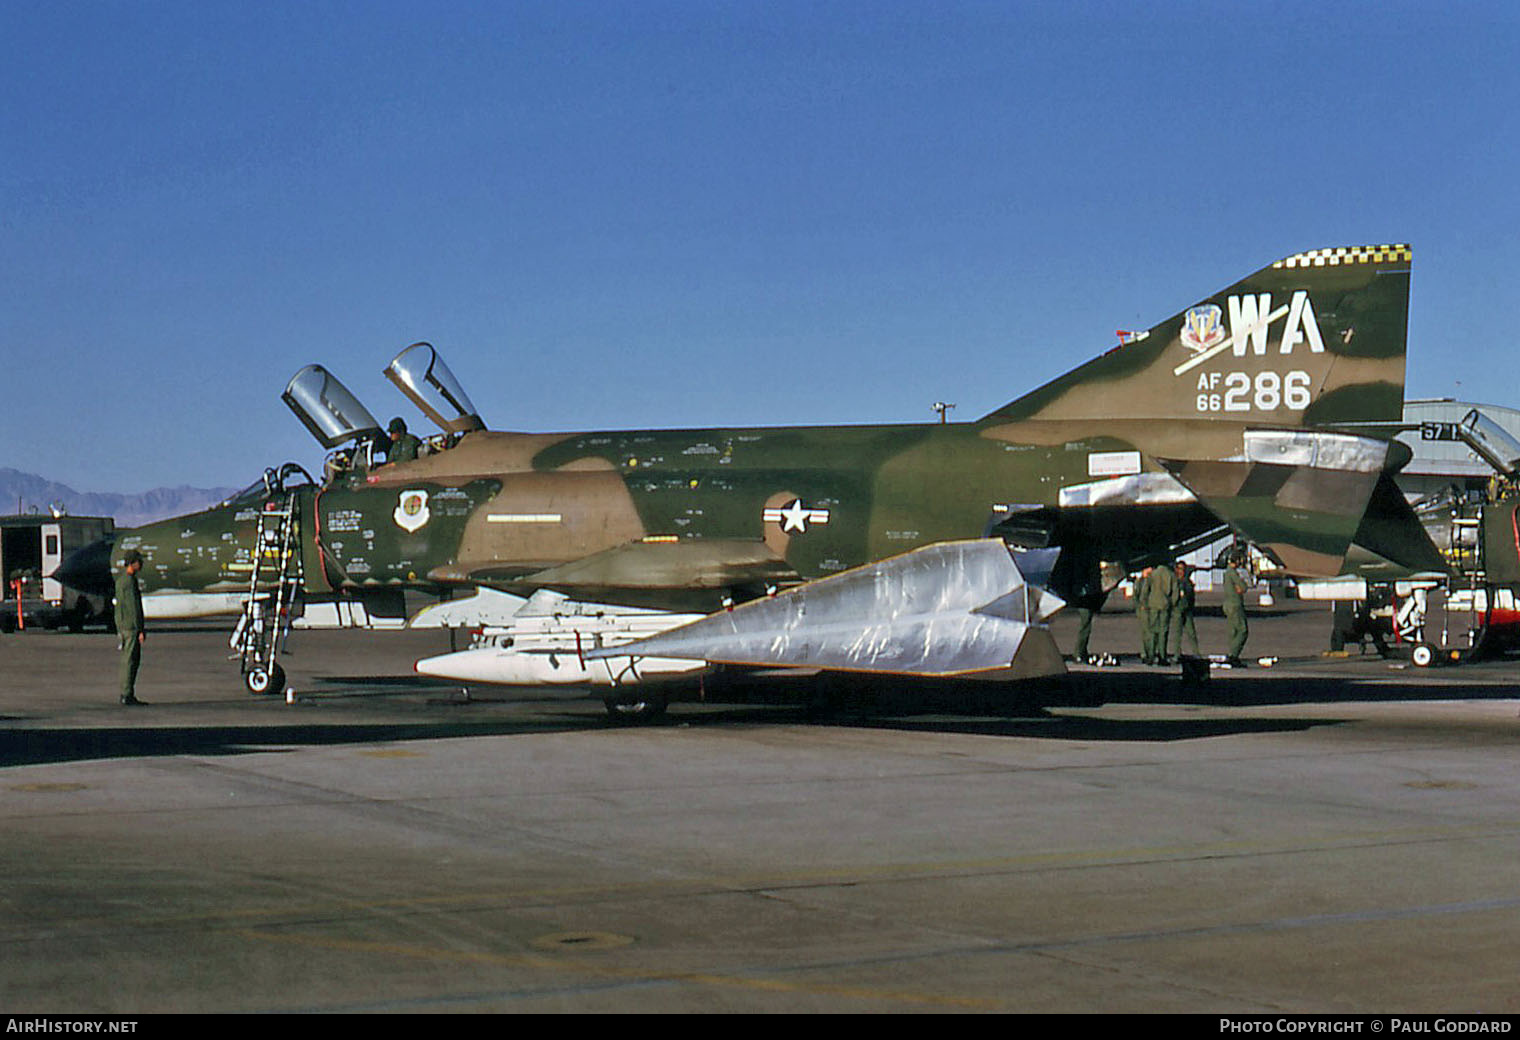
[
  {"x": 288, "y": 477},
  {"x": 354, "y": 437}
]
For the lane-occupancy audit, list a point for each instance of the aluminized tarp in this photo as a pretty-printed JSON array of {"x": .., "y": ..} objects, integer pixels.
[{"x": 952, "y": 608}]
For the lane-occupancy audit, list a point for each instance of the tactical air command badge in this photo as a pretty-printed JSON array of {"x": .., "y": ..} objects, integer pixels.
[
  {"x": 1202, "y": 327},
  {"x": 412, "y": 511}
]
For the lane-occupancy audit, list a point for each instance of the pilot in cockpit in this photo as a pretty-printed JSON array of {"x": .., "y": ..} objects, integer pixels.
[{"x": 403, "y": 445}]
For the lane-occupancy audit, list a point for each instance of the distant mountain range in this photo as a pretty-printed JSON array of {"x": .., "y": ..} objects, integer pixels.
[{"x": 26, "y": 492}]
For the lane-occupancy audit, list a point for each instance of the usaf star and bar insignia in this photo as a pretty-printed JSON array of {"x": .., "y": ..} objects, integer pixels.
[{"x": 794, "y": 517}]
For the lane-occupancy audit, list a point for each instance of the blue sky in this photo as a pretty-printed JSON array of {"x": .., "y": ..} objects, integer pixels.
[{"x": 611, "y": 215}]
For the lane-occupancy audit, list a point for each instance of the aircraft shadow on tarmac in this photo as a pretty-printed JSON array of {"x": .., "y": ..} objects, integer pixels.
[
  {"x": 40, "y": 746},
  {"x": 1269, "y": 686},
  {"x": 915, "y": 707},
  {"x": 49, "y": 746},
  {"x": 1036, "y": 723}
]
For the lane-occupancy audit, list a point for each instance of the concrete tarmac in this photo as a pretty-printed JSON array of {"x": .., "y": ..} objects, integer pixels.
[{"x": 1318, "y": 836}]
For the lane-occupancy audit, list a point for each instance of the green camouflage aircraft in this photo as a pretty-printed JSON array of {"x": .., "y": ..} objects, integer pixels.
[{"x": 935, "y": 549}]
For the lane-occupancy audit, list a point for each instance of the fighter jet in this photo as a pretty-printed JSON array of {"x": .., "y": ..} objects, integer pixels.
[{"x": 935, "y": 549}]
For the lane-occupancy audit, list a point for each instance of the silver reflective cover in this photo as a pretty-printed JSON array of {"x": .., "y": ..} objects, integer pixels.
[
  {"x": 325, "y": 406},
  {"x": 421, "y": 375},
  {"x": 1316, "y": 449},
  {"x": 1141, "y": 489},
  {"x": 948, "y": 609}
]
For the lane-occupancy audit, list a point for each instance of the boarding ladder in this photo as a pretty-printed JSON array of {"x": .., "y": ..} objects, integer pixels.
[{"x": 274, "y": 583}]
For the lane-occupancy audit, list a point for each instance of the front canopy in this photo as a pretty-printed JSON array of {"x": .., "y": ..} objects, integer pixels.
[{"x": 327, "y": 408}]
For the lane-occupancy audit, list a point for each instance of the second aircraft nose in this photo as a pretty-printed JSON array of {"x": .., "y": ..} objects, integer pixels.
[{"x": 88, "y": 569}]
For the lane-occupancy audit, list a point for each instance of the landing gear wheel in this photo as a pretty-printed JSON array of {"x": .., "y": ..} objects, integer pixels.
[
  {"x": 261, "y": 681},
  {"x": 1424, "y": 656},
  {"x": 635, "y": 707}
]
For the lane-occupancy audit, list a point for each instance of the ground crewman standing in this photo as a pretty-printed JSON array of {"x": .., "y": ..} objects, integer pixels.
[
  {"x": 1161, "y": 596},
  {"x": 1142, "y": 614},
  {"x": 1080, "y": 652},
  {"x": 1182, "y": 614},
  {"x": 129, "y": 624},
  {"x": 1086, "y": 607},
  {"x": 1235, "y": 586}
]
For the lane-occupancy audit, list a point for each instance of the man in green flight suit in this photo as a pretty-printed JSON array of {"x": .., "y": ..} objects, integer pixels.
[
  {"x": 1182, "y": 614},
  {"x": 1161, "y": 597},
  {"x": 1235, "y": 586},
  {"x": 129, "y": 624},
  {"x": 1086, "y": 607},
  {"x": 1143, "y": 614},
  {"x": 404, "y": 445}
]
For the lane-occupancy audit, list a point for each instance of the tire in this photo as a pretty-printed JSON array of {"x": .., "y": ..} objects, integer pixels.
[
  {"x": 635, "y": 707},
  {"x": 1424, "y": 656},
  {"x": 261, "y": 682}
]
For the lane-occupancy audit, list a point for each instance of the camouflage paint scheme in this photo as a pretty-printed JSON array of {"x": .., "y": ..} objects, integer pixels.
[{"x": 1123, "y": 459}]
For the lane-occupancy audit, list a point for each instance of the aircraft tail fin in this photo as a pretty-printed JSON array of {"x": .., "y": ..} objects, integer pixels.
[{"x": 1315, "y": 339}]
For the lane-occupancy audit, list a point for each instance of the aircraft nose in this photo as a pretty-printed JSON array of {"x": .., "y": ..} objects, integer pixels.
[{"x": 88, "y": 569}]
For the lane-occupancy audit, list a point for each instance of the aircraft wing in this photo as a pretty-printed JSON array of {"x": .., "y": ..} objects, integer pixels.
[{"x": 947, "y": 609}]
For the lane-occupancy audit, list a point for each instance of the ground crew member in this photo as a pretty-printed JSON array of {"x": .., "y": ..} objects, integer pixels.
[
  {"x": 1182, "y": 614},
  {"x": 129, "y": 624},
  {"x": 1142, "y": 614},
  {"x": 1160, "y": 598},
  {"x": 1086, "y": 607},
  {"x": 403, "y": 445},
  {"x": 1084, "y": 633},
  {"x": 1235, "y": 586}
]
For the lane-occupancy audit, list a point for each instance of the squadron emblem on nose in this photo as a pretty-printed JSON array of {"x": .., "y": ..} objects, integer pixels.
[{"x": 412, "y": 510}]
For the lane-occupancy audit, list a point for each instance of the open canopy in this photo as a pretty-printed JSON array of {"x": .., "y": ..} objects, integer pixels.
[
  {"x": 327, "y": 408},
  {"x": 421, "y": 375}
]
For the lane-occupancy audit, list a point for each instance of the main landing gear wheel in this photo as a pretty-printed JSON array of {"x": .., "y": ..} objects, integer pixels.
[
  {"x": 635, "y": 707},
  {"x": 261, "y": 681}
]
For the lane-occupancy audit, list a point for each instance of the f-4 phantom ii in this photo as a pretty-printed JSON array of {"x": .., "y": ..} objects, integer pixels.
[{"x": 934, "y": 549}]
